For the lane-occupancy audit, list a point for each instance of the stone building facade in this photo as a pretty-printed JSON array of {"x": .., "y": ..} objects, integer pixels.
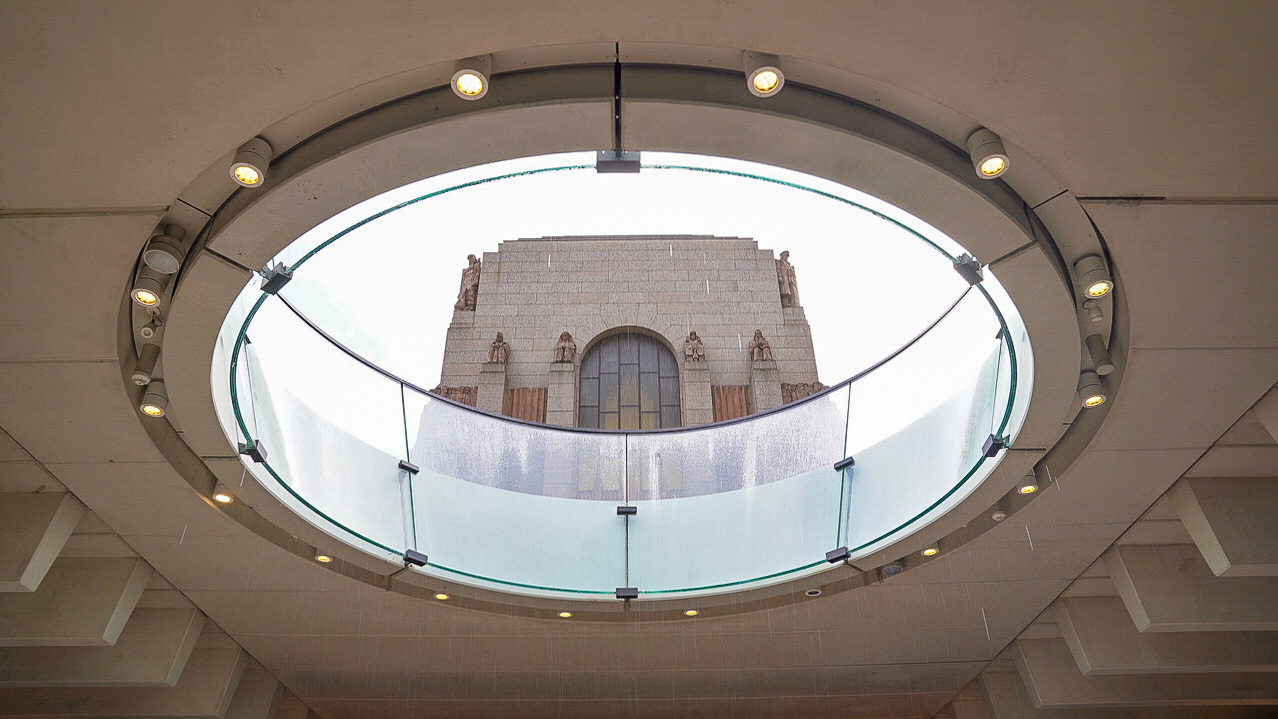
[{"x": 603, "y": 290}]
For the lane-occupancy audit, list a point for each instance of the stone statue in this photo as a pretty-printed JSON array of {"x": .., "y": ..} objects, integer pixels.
[
  {"x": 469, "y": 285},
  {"x": 787, "y": 281},
  {"x": 693, "y": 349},
  {"x": 499, "y": 351},
  {"x": 565, "y": 349},
  {"x": 760, "y": 350}
]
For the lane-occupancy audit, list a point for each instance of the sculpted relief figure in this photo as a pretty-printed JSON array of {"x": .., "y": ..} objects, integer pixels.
[
  {"x": 693, "y": 349},
  {"x": 760, "y": 350},
  {"x": 565, "y": 349},
  {"x": 499, "y": 351},
  {"x": 787, "y": 282},
  {"x": 469, "y": 285}
]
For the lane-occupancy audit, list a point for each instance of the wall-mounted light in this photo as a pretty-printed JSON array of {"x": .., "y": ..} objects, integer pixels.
[
  {"x": 690, "y": 612},
  {"x": 763, "y": 74},
  {"x": 565, "y": 615},
  {"x": 155, "y": 402},
  {"x": 222, "y": 498},
  {"x": 442, "y": 597},
  {"x": 1099, "y": 354},
  {"x": 144, "y": 370},
  {"x": 1093, "y": 276},
  {"x": 149, "y": 287},
  {"x": 931, "y": 552},
  {"x": 248, "y": 169},
  {"x": 1027, "y": 487},
  {"x": 989, "y": 157},
  {"x": 1090, "y": 391},
  {"x": 891, "y": 570},
  {"x": 164, "y": 252},
  {"x": 470, "y": 77},
  {"x": 323, "y": 558}
]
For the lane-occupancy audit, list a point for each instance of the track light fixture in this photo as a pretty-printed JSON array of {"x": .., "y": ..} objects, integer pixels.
[
  {"x": 156, "y": 400},
  {"x": 1093, "y": 276},
  {"x": 164, "y": 252},
  {"x": 763, "y": 74},
  {"x": 144, "y": 370},
  {"x": 931, "y": 552},
  {"x": 1028, "y": 485},
  {"x": 470, "y": 77},
  {"x": 989, "y": 157},
  {"x": 323, "y": 558},
  {"x": 149, "y": 287},
  {"x": 221, "y": 497},
  {"x": 248, "y": 169},
  {"x": 1099, "y": 354},
  {"x": 1094, "y": 311},
  {"x": 1090, "y": 391}
]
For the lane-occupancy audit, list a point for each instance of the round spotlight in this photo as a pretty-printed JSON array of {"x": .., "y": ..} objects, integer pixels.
[
  {"x": 442, "y": 597},
  {"x": 690, "y": 612},
  {"x": 931, "y": 552},
  {"x": 565, "y": 615},
  {"x": 763, "y": 74},
  {"x": 156, "y": 400},
  {"x": 998, "y": 516},
  {"x": 470, "y": 77},
  {"x": 1093, "y": 276},
  {"x": 149, "y": 287},
  {"x": 323, "y": 558},
  {"x": 248, "y": 169},
  {"x": 149, "y": 329},
  {"x": 813, "y": 592},
  {"x": 892, "y": 570},
  {"x": 1027, "y": 488},
  {"x": 223, "y": 498},
  {"x": 1090, "y": 391},
  {"x": 164, "y": 252},
  {"x": 989, "y": 158}
]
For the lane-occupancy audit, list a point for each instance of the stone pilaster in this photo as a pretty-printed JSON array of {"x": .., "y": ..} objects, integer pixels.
[
  {"x": 765, "y": 385},
  {"x": 697, "y": 404},
  {"x": 493, "y": 389},
  {"x": 561, "y": 394}
]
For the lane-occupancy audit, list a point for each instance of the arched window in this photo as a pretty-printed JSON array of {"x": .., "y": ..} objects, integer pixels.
[{"x": 629, "y": 381}]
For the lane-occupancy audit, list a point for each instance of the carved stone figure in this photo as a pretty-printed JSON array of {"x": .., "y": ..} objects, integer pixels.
[
  {"x": 469, "y": 285},
  {"x": 786, "y": 280},
  {"x": 693, "y": 349},
  {"x": 499, "y": 350},
  {"x": 794, "y": 392},
  {"x": 565, "y": 348},
  {"x": 760, "y": 350},
  {"x": 464, "y": 395}
]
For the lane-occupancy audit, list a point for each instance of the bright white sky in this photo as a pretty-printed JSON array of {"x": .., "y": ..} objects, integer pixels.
[{"x": 387, "y": 289}]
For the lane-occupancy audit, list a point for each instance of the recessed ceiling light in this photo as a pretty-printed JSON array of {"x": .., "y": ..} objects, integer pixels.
[
  {"x": 691, "y": 612},
  {"x": 442, "y": 597},
  {"x": 470, "y": 77},
  {"x": 763, "y": 74},
  {"x": 565, "y": 615},
  {"x": 223, "y": 497},
  {"x": 323, "y": 558},
  {"x": 248, "y": 169},
  {"x": 931, "y": 552},
  {"x": 989, "y": 157}
]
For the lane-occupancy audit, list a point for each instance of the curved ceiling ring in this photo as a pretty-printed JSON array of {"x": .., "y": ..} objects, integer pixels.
[{"x": 569, "y": 108}]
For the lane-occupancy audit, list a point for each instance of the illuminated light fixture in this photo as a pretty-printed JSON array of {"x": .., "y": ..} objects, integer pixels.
[
  {"x": 565, "y": 615},
  {"x": 931, "y": 552},
  {"x": 323, "y": 558},
  {"x": 149, "y": 287},
  {"x": 1090, "y": 391},
  {"x": 1093, "y": 276},
  {"x": 144, "y": 370},
  {"x": 470, "y": 77},
  {"x": 156, "y": 400},
  {"x": 1028, "y": 487},
  {"x": 248, "y": 169},
  {"x": 989, "y": 157},
  {"x": 1094, "y": 311},
  {"x": 690, "y": 612},
  {"x": 163, "y": 252},
  {"x": 442, "y": 597},
  {"x": 1100, "y": 355},
  {"x": 763, "y": 74},
  {"x": 223, "y": 498}
]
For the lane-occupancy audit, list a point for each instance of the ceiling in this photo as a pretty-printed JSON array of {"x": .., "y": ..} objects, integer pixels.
[{"x": 1120, "y": 590}]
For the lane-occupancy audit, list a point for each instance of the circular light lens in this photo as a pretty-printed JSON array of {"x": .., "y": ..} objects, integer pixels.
[
  {"x": 323, "y": 558},
  {"x": 1099, "y": 289},
  {"x": 931, "y": 552},
  {"x": 469, "y": 83},
  {"x": 813, "y": 592},
  {"x": 1095, "y": 400},
  {"x": 145, "y": 297},
  {"x": 222, "y": 497},
  {"x": 152, "y": 410},
  {"x": 993, "y": 166},
  {"x": 691, "y": 612},
  {"x": 442, "y": 597},
  {"x": 565, "y": 615},
  {"x": 766, "y": 81},
  {"x": 1028, "y": 488},
  {"x": 246, "y": 175}
]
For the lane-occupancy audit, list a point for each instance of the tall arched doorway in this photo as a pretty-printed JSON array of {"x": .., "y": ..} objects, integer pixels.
[{"x": 629, "y": 381}]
